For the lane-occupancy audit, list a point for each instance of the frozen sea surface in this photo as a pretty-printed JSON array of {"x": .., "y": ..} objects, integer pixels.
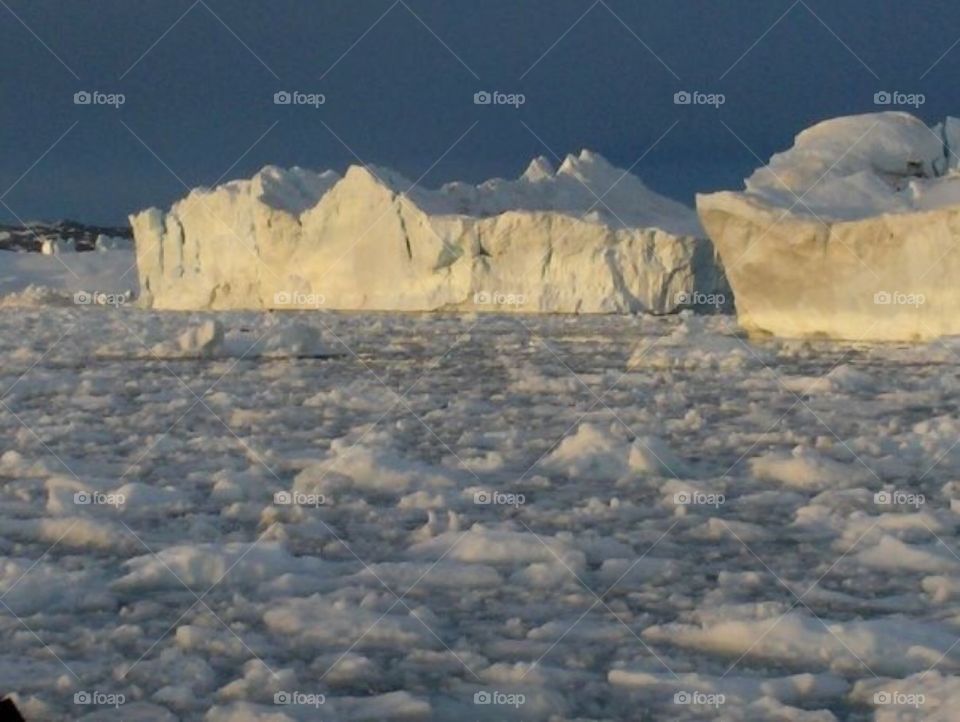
[{"x": 389, "y": 517}]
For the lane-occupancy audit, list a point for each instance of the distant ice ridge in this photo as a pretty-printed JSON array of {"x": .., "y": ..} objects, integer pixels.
[
  {"x": 849, "y": 234},
  {"x": 587, "y": 237}
]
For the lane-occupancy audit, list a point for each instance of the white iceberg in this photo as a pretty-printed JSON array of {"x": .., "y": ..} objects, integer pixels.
[
  {"x": 849, "y": 234},
  {"x": 585, "y": 238}
]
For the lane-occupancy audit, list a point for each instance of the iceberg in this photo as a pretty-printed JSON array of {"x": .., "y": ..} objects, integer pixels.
[
  {"x": 584, "y": 238},
  {"x": 850, "y": 234}
]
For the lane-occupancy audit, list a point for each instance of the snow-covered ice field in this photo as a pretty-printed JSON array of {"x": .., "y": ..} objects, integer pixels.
[{"x": 393, "y": 517}]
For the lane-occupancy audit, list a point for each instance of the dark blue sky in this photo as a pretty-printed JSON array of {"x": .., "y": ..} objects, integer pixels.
[{"x": 203, "y": 95}]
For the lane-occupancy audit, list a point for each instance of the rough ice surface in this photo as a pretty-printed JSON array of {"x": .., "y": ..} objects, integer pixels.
[
  {"x": 615, "y": 517},
  {"x": 849, "y": 234},
  {"x": 587, "y": 237}
]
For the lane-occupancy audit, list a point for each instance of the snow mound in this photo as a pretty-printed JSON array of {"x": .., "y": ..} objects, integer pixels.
[
  {"x": 587, "y": 237},
  {"x": 892, "y": 555},
  {"x": 806, "y": 469},
  {"x": 500, "y": 547},
  {"x": 699, "y": 342},
  {"x": 847, "y": 234},
  {"x": 892, "y": 646},
  {"x": 799, "y": 688},
  {"x": 843, "y": 379},
  {"x": 294, "y": 339},
  {"x": 370, "y": 466},
  {"x": 202, "y": 566},
  {"x": 595, "y": 453},
  {"x": 208, "y": 339},
  {"x": 317, "y": 623},
  {"x": 928, "y": 696},
  {"x": 34, "y": 295},
  {"x": 859, "y": 166}
]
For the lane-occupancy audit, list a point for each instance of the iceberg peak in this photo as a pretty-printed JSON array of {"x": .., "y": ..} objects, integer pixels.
[
  {"x": 593, "y": 170},
  {"x": 379, "y": 176},
  {"x": 540, "y": 168}
]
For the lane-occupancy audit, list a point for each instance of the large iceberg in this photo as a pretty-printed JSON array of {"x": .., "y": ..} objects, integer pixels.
[
  {"x": 586, "y": 237},
  {"x": 850, "y": 234}
]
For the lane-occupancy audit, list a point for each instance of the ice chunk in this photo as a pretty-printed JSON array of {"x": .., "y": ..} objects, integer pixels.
[
  {"x": 892, "y": 646},
  {"x": 204, "y": 565},
  {"x": 806, "y": 469},
  {"x": 848, "y": 234},
  {"x": 603, "y": 454}
]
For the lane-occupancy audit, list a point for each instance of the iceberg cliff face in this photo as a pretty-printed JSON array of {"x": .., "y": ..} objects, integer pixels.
[
  {"x": 369, "y": 240},
  {"x": 850, "y": 234}
]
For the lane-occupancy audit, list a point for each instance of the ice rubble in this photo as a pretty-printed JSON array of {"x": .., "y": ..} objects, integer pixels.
[
  {"x": 848, "y": 234},
  {"x": 504, "y": 587},
  {"x": 587, "y": 237}
]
